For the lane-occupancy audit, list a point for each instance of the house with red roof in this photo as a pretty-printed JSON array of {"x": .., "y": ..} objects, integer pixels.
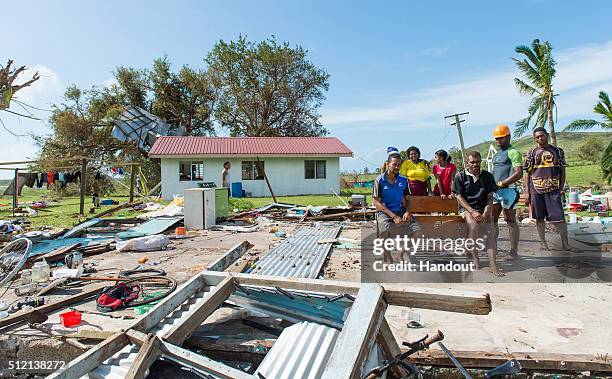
[{"x": 293, "y": 165}]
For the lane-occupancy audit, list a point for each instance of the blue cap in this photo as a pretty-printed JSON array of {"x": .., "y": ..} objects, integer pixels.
[{"x": 392, "y": 150}]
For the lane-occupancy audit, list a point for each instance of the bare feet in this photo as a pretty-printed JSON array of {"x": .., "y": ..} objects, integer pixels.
[
  {"x": 512, "y": 257},
  {"x": 544, "y": 246},
  {"x": 476, "y": 262},
  {"x": 570, "y": 248},
  {"x": 496, "y": 271}
]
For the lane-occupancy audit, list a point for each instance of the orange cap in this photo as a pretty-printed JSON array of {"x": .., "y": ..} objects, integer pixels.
[{"x": 501, "y": 131}]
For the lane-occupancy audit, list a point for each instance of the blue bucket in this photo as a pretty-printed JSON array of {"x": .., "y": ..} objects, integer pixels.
[{"x": 237, "y": 189}]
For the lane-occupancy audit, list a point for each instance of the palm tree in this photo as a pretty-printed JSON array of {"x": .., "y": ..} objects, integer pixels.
[
  {"x": 602, "y": 108},
  {"x": 538, "y": 68}
]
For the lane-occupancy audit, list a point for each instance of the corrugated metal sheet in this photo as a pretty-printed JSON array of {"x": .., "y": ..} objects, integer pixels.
[
  {"x": 300, "y": 352},
  {"x": 329, "y": 309},
  {"x": 249, "y": 146},
  {"x": 300, "y": 255},
  {"x": 137, "y": 125},
  {"x": 119, "y": 364}
]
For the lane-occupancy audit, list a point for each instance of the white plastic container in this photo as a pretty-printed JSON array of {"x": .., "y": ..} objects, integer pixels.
[{"x": 41, "y": 272}]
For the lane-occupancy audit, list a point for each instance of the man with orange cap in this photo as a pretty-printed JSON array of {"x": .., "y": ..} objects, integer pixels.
[{"x": 507, "y": 170}]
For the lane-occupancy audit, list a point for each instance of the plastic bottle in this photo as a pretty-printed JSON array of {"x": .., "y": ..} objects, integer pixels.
[
  {"x": 41, "y": 272},
  {"x": 26, "y": 277}
]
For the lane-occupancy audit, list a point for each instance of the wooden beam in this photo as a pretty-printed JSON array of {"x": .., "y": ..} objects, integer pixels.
[
  {"x": 83, "y": 186},
  {"x": 22, "y": 316},
  {"x": 88, "y": 361},
  {"x": 390, "y": 348},
  {"x": 200, "y": 362},
  {"x": 358, "y": 334},
  {"x": 117, "y": 208},
  {"x": 147, "y": 354},
  {"x": 260, "y": 165},
  {"x": 192, "y": 319},
  {"x": 169, "y": 304},
  {"x": 429, "y": 204},
  {"x": 395, "y": 294},
  {"x": 230, "y": 257},
  {"x": 529, "y": 361},
  {"x": 132, "y": 182}
]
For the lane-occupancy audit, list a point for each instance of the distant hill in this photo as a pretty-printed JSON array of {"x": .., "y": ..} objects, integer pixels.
[{"x": 570, "y": 142}]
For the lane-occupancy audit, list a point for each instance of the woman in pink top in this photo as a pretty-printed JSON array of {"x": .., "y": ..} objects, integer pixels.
[{"x": 444, "y": 171}]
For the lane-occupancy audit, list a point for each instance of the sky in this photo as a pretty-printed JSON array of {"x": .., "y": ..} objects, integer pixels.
[{"x": 396, "y": 67}]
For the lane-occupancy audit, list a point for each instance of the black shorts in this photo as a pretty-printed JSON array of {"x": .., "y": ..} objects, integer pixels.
[{"x": 547, "y": 206}]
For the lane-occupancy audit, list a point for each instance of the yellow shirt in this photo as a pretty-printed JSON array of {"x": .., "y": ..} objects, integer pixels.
[{"x": 415, "y": 171}]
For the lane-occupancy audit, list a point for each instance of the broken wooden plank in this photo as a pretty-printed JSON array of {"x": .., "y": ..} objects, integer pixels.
[
  {"x": 358, "y": 334},
  {"x": 390, "y": 348},
  {"x": 92, "y": 358},
  {"x": 231, "y": 256},
  {"x": 22, "y": 316},
  {"x": 117, "y": 208},
  {"x": 529, "y": 361},
  {"x": 200, "y": 362},
  {"x": 471, "y": 302},
  {"x": 429, "y": 204},
  {"x": 169, "y": 303},
  {"x": 191, "y": 320},
  {"x": 340, "y": 216},
  {"x": 57, "y": 254},
  {"x": 147, "y": 354}
]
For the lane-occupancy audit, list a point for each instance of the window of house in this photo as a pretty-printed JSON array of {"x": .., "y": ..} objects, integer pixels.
[
  {"x": 315, "y": 169},
  {"x": 191, "y": 171},
  {"x": 250, "y": 170}
]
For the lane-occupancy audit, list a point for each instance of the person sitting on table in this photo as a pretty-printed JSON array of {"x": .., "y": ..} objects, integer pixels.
[
  {"x": 474, "y": 190},
  {"x": 417, "y": 171},
  {"x": 391, "y": 198}
]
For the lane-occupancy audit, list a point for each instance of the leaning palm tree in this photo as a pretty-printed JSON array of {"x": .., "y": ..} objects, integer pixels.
[
  {"x": 538, "y": 69},
  {"x": 603, "y": 108}
]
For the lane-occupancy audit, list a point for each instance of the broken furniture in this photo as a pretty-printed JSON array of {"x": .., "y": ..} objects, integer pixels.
[
  {"x": 162, "y": 331},
  {"x": 438, "y": 217}
]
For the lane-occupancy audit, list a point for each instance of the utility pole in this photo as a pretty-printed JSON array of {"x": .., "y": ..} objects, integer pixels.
[{"x": 458, "y": 124}]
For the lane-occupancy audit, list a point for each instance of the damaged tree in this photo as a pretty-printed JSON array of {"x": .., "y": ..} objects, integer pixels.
[{"x": 8, "y": 75}]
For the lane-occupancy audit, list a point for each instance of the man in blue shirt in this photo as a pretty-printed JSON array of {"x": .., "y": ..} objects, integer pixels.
[{"x": 390, "y": 196}]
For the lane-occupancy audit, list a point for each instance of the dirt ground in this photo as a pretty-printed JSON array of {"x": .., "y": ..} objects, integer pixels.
[{"x": 529, "y": 313}]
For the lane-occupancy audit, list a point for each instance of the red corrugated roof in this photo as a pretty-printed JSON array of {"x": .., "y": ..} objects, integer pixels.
[{"x": 169, "y": 146}]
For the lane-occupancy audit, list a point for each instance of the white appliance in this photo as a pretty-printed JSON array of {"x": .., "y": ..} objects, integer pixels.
[{"x": 199, "y": 208}]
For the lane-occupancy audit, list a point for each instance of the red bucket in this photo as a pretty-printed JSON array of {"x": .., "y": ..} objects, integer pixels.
[{"x": 70, "y": 318}]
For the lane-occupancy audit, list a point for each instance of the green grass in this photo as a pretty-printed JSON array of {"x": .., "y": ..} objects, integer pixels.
[
  {"x": 63, "y": 212},
  {"x": 584, "y": 175},
  {"x": 314, "y": 200}
]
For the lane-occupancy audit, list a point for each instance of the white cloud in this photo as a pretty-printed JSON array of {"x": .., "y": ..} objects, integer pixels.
[{"x": 492, "y": 97}]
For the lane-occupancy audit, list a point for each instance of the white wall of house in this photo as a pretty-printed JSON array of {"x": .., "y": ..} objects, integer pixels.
[{"x": 286, "y": 175}]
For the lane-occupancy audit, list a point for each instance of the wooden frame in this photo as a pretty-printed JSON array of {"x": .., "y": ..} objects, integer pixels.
[{"x": 364, "y": 325}]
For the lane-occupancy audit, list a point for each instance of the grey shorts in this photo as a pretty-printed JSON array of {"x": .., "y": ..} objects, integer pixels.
[{"x": 387, "y": 228}]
